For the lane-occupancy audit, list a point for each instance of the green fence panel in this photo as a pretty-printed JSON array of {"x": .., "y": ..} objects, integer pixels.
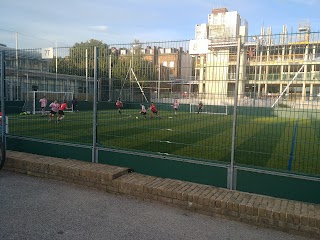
[
  {"x": 49, "y": 149},
  {"x": 279, "y": 186},
  {"x": 167, "y": 168},
  {"x": 159, "y": 167}
]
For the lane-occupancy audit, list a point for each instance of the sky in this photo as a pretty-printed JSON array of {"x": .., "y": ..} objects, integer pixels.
[{"x": 43, "y": 23}]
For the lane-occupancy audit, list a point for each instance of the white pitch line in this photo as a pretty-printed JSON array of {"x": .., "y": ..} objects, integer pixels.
[{"x": 164, "y": 153}]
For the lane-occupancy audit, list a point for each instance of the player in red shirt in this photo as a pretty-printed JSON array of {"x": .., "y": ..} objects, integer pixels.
[
  {"x": 62, "y": 107},
  {"x": 119, "y": 105},
  {"x": 154, "y": 110}
]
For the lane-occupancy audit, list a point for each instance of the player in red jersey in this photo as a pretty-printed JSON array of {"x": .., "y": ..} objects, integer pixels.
[
  {"x": 62, "y": 107},
  {"x": 119, "y": 105},
  {"x": 153, "y": 110}
]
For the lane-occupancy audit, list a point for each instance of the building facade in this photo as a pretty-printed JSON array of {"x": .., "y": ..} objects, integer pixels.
[{"x": 269, "y": 64}]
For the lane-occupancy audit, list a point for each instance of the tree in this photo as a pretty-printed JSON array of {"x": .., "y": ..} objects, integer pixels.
[
  {"x": 78, "y": 57},
  {"x": 144, "y": 69},
  {"x": 76, "y": 63}
]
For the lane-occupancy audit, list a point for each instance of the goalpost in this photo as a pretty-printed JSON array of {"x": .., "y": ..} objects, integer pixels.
[
  {"x": 32, "y": 105},
  {"x": 210, "y": 109}
]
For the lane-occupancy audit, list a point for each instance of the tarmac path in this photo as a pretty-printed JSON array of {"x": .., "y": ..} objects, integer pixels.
[{"x": 36, "y": 208}]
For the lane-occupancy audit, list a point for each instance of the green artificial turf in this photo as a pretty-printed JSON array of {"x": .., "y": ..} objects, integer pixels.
[{"x": 262, "y": 141}]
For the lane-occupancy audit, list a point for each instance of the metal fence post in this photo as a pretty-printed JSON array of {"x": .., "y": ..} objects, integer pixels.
[
  {"x": 231, "y": 172},
  {"x": 95, "y": 102},
  {"x": 3, "y": 124}
]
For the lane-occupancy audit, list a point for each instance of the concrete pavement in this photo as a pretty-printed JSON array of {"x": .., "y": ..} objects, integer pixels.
[{"x": 39, "y": 208}]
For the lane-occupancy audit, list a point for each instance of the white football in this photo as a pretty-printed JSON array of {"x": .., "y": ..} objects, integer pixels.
[{"x": 136, "y": 117}]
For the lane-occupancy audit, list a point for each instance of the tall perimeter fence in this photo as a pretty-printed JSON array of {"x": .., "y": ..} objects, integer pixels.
[{"x": 258, "y": 130}]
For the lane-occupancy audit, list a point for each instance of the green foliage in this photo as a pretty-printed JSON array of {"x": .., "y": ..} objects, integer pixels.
[
  {"x": 82, "y": 55},
  {"x": 144, "y": 70},
  {"x": 79, "y": 54}
]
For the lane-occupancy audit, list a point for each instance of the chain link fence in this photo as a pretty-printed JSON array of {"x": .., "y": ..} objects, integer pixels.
[{"x": 260, "y": 99}]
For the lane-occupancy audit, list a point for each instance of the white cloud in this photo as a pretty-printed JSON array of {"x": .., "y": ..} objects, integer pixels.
[{"x": 100, "y": 28}]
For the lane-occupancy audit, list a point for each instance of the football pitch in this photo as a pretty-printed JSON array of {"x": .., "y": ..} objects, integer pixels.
[{"x": 261, "y": 141}]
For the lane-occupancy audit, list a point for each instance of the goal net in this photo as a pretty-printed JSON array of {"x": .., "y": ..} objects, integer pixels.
[
  {"x": 33, "y": 106},
  {"x": 210, "y": 109}
]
